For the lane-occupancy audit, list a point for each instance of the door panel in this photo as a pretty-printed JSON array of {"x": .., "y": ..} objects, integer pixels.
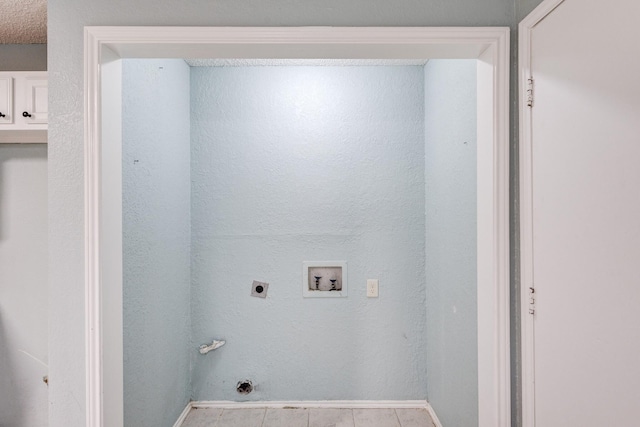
[
  {"x": 36, "y": 98},
  {"x": 6, "y": 100},
  {"x": 586, "y": 213}
]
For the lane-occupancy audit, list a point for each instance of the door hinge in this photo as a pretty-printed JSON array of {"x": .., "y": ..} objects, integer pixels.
[
  {"x": 530, "y": 92},
  {"x": 532, "y": 300}
]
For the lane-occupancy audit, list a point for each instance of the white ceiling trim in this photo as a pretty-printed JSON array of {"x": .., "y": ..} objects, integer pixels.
[{"x": 23, "y": 21}]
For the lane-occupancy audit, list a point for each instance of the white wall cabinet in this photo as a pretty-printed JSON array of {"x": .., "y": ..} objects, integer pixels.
[{"x": 23, "y": 107}]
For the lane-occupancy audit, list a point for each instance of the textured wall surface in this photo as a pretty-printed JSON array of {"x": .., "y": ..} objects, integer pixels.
[
  {"x": 450, "y": 183},
  {"x": 156, "y": 240},
  {"x": 308, "y": 163},
  {"x": 524, "y": 7},
  {"x": 23, "y": 285},
  {"x": 23, "y": 265},
  {"x": 66, "y": 222},
  {"x": 23, "y": 57}
]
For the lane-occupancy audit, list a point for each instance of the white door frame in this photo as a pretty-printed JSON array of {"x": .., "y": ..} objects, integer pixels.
[
  {"x": 104, "y": 46},
  {"x": 527, "y": 317}
]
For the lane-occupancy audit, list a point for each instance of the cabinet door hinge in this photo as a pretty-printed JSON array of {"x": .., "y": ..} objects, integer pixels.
[
  {"x": 532, "y": 300},
  {"x": 530, "y": 92}
]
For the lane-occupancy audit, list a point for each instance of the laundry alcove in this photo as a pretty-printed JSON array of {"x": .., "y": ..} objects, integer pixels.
[
  {"x": 235, "y": 171},
  {"x": 203, "y": 178}
]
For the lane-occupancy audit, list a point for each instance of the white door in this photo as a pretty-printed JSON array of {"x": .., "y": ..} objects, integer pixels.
[{"x": 580, "y": 194}]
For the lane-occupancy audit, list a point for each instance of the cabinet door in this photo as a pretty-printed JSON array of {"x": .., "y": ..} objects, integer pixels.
[
  {"x": 35, "y": 102},
  {"x": 6, "y": 100}
]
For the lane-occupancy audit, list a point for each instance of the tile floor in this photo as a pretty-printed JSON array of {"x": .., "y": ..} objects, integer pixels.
[{"x": 303, "y": 417}]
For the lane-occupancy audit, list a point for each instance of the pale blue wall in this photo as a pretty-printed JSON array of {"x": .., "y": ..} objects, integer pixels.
[
  {"x": 156, "y": 240},
  {"x": 308, "y": 163},
  {"x": 450, "y": 183}
]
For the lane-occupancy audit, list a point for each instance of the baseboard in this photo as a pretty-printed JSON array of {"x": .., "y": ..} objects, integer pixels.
[
  {"x": 183, "y": 415},
  {"x": 352, "y": 404},
  {"x": 434, "y": 417}
]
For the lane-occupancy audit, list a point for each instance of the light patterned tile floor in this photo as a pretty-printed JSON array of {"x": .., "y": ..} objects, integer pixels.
[{"x": 302, "y": 417}]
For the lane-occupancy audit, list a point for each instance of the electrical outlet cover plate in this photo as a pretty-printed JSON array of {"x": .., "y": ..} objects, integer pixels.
[{"x": 372, "y": 288}]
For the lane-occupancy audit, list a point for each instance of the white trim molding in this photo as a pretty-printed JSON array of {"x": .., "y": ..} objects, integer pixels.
[
  {"x": 527, "y": 319},
  {"x": 434, "y": 417},
  {"x": 494, "y": 353},
  {"x": 347, "y": 404},
  {"x": 93, "y": 284},
  {"x": 183, "y": 415},
  {"x": 489, "y": 45}
]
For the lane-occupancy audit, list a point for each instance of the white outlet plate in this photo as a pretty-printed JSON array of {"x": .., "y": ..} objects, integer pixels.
[{"x": 372, "y": 288}]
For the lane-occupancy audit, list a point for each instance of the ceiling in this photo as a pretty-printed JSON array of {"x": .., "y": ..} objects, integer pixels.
[{"x": 23, "y": 21}]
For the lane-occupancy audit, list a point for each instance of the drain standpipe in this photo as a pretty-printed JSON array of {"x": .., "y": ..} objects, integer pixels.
[{"x": 244, "y": 387}]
